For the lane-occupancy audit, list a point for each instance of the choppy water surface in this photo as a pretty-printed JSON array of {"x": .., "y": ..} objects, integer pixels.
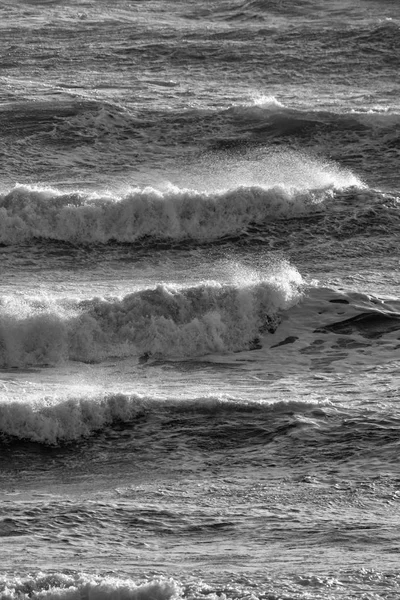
[{"x": 200, "y": 301}]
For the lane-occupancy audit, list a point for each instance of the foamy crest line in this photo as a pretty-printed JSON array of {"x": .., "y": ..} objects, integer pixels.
[
  {"x": 28, "y": 212},
  {"x": 164, "y": 321},
  {"x": 68, "y": 420},
  {"x": 77, "y": 586}
]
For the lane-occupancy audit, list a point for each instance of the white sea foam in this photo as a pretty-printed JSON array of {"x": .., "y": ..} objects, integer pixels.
[
  {"x": 266, "y": 101},
  {"x": 76, "y": 586},
  {"x": 61, "y": 586},
  {"x": 258, "y": 105}
]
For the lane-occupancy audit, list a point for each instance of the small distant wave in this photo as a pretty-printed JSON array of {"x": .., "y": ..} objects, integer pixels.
[
  {"x": 378, "y": 37},
  {"x": 90, "y": 120},
  {"x": 42, "y": 116},
  {"x": 266, "y": 116},
  {"x": 253, "y": 10},
  {"x": 165, "y": 322}
]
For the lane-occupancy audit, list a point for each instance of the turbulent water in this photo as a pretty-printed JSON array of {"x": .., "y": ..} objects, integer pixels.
[{"x": 200, "y": 299}]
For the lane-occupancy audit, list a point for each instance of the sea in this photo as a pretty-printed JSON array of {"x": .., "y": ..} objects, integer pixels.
[{"x": 199, "y": 299}]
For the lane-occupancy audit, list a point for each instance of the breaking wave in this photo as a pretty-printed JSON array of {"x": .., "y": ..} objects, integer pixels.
[
  {"x": 346, "y": 136},
  {"x": 62, "y": 421},
  {"x": 263, "y": 118},
  {"x": 149, "y": 216},
  {"x": 175, "y": 214},
  {"x": 164, "y": 321}
]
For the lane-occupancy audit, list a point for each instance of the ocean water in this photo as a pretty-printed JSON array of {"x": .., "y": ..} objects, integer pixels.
[{"x": 199, "y": 299}]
